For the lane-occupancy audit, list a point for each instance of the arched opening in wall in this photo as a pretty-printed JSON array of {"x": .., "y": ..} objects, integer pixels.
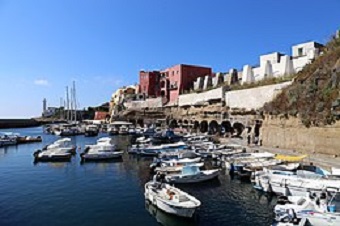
[
  {"x": 196, "y": 125},
  {"x": 133, "y": 121},
  {"x": 180, "y": 122},
  {"x": 213, "y": 127},
  {"x": 238, "y": 129},
  {"x": 107, "y": 118},
  {"x": 226, "y": 128},
  {"x": 140, "y": 122},
  {"x": 162, "y": 84},
  {"x": 185, "y": 123},
  {"x": 257, "y": 128},
  {"x": 173, "y": 124},
  {"x": 162, "y": 93},
  {"x": 204, "y": 126}
]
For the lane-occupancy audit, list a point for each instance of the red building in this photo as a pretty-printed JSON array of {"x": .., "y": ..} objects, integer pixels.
[
  {"x": 171, "y": 82},
  {"x": 179, "y": 78},
  {"x": 101, "y": 115},
  {"x": 149, "y": 83}
]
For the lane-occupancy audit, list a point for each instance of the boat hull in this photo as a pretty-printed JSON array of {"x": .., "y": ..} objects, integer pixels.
[
  {"x": 182, "y": 212},
  {"x": 101, "y": 157},
  {"x": 193, "y": 178}
]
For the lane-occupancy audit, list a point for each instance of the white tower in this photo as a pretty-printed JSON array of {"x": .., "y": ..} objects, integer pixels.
[{"x": 44, "y": 105}]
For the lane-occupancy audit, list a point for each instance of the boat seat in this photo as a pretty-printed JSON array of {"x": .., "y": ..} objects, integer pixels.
[{"x": 183, "y": 198}]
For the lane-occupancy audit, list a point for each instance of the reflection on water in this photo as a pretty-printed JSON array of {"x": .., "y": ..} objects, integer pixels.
[
  {"x": 104, "y": 193},
  {"x": 166, "y": 219}
]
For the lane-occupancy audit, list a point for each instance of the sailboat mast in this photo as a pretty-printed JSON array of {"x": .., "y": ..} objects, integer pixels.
[
  {"x": 75, "y": 100},
  {"x": 71, "y": 92},
  {"x": 68, "y": 104}
]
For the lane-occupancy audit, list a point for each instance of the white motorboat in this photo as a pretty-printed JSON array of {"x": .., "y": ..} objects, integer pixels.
[
  {"x": 319, "y": 209},
  {"x": 192, "y": 174},
  {"x": 7, "y": 139},
  {"x": 295, "y": 183},
  {"x": 60, "y": 150},
  {"x": 154, "y": 150},
  {"x": 131, "y": 130},
  {"x": 91, "y": 131},
  {"x": 175, "y": 158},
  {"x": 103, "y": 150},
  {"x": 176, "y": 168},
  {"x": 123, "y": 130},
  {"x": 170, "y": 199}
]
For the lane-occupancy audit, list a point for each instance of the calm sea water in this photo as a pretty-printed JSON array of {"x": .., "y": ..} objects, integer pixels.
[{"x": 110, "y": 193}]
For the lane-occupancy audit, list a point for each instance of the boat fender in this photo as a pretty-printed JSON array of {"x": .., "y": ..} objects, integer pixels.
[{"x": 36, "y": 153}]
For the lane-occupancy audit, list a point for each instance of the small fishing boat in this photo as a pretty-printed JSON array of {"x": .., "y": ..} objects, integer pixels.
[
  {"x": 132, "y": 130},
  {"x": 154, "y": 150},
  {"x": 7, "y": 139},
  {"x": 170, "y": 199},
  {"x": 159, "y": 162},
  {"x": 60, "y": 150},
  {"x": 192, "y": 174},
  {"x": 91, "y": 131},
  {"x": 103, "y": 150},
  {"x": 176, "y": 168},
  {"x": 28, "y": 139},
  {"x": 123, "y": 130}
]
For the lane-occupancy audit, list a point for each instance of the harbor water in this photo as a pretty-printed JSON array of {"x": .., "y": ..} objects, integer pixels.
[{"x": 110, "y": 193}]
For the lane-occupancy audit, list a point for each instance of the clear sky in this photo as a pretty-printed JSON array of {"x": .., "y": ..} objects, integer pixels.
[{"x": 102, "y": 45}]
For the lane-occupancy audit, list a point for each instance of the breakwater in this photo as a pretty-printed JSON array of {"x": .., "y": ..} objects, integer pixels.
[{"x": 18, "y": 123}]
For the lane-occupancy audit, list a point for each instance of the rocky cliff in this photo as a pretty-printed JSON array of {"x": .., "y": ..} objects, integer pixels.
[{"x": 306, "y": 115}]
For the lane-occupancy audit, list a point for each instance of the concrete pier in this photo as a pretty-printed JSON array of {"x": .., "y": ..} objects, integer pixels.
[{"x": 18, "y": 123}]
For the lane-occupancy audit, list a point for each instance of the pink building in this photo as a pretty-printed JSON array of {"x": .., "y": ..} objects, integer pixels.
[{"x": 179, "y": 78}]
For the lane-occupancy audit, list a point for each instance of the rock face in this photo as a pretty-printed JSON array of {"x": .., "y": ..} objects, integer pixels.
[{"x": 292, "y": 134}]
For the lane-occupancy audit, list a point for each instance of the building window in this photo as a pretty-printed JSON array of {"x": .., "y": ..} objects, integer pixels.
[
  {"x": 300, "y": 51},
  {"x": 173, "y": 73}
]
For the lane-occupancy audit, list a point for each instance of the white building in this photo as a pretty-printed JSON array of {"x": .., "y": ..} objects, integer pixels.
[
  {"x": 271, "y": 65},
  {"x": 277, "y": 64}
]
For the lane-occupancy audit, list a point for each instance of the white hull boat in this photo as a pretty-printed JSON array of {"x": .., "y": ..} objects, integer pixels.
[
  {"x": 296, "y": 184},
  {"x": 171, "y": 200},
  {"x": 192, "y": 174},
  {"x": 103, "y": 150},
  {"x": 60, "y": 150},
  {"x": 173, "y": 169},
  {"x": 317, "y": 209}
]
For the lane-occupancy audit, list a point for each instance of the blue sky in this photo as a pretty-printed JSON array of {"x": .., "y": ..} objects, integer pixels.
[{"x": 45, "y": 45}]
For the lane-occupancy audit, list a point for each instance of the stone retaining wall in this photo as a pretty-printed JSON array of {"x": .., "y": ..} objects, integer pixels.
[
  {"x": 253, "y": 98},
  {"x": 292, "y": 134},
  {"x": 198, "y": 98}
]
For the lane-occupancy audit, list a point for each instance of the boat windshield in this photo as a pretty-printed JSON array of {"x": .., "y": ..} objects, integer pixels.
[{"x": 190, "y": 170}]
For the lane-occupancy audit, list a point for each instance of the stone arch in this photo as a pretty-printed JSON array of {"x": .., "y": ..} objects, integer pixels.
[
  {"x": 185, "y": 121},
  {"x": 227, "y": 128},
  {"x": 163, "y": 84},
  {"x": 214, "y": 127},
  {"x": 257, "y": 127},
  {"x": 238, "y": 128},
  {"x": 204, "y": 126},
  {"x": 196, "y": 124},
  {"x": 180, "y": 121},
  {"x": 133, "y": 121},
  {"x": 140, "y": 122},
  {"x": 173, "y": 123}
]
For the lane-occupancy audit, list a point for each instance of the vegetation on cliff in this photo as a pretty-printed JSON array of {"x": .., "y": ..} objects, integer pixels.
[{"x": 314, "y": 94}]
